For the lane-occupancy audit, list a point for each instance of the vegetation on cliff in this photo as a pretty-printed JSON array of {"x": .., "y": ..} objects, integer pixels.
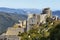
[{"x": 48, "y": 31}]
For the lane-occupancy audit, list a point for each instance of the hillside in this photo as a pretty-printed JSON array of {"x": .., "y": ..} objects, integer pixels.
[{"x": 8, "y": 19}]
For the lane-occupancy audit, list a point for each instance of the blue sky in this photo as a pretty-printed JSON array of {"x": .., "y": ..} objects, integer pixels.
[{"x": 38, "y": 4}]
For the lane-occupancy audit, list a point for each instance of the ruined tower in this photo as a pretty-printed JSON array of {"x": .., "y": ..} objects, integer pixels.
[{"x": 48, "y": 12}]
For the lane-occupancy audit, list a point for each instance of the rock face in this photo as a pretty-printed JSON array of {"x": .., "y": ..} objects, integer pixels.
[
  {"x": 8, "y": 19},
  {"x": 14, "y": 31}
]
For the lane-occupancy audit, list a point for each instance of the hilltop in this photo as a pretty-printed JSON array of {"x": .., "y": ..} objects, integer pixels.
[{"x": 9, "y": 16}]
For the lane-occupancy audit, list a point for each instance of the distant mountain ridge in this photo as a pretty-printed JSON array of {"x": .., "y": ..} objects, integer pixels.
[
  {"x": 19, "y": 11},
  {"x": 10, "y": 10},
  {"x": 26, "y": 11},
  {"x": 57, "y": 12}
]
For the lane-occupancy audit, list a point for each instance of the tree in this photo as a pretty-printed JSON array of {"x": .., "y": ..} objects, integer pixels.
[{"x": 55, "y": 33}]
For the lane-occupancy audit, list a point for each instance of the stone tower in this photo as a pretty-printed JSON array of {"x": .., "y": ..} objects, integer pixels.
[{"x": 48, "y": 12}]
